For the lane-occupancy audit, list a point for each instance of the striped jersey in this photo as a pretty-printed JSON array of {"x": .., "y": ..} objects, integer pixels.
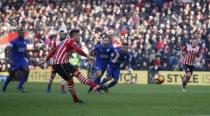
[
  {"x": 61, "y": 52},
  {"x": 190, "y": 53}
]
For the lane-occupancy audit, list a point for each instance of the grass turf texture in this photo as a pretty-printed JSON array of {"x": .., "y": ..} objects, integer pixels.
[{"x": 123, "y": 100}]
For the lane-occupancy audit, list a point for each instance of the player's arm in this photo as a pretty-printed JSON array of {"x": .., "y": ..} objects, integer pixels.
[
  {"x": 10, "y": 47},
  {"x": 117, "y": 55},
  {"x": 27, "y": 54},
  {"x": 199, "y": 56},
  {"x": 93, "y": 51},
  {"x": 183, "y": 52},
  {"x": 80, "y": 51},
  {"x": 9, "y": 54},
  {"x": 50, "y": 55}
]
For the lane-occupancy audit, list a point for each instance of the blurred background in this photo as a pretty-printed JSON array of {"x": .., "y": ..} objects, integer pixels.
[{"x": 156, "y": 30}]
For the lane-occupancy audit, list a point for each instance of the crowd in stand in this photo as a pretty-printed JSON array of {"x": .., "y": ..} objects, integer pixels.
[{"x": 153, "y": 28}]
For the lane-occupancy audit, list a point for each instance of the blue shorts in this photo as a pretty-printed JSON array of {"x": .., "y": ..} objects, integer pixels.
[
  {"x": 102, "y": 67},
  {"x": 113, "y": 73},
  {"x": 22, "y": 64}
]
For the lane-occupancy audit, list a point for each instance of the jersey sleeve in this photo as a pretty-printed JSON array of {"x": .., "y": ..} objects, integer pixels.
[
  {"x": 75, "y": 47},
  {"x": 199, "y": 52},
  {"x": 54, "y": 44},
  {"x": 184, "y": 49},
  {"x": 52, "y": 53}
]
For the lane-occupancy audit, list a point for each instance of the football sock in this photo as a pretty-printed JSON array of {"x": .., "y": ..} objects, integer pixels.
[
  {"x": 113, "y": 83},
  {"x": 184, "y": 82},
  {"x": 104, "y": 81},
  {"x": 83, "y": 80},
  {"x": 23, "y": 79},
  {"x": 72, "y": 90}
]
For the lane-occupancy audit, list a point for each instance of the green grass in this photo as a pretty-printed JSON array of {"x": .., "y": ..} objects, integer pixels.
[{"x": 123, "y": 100}]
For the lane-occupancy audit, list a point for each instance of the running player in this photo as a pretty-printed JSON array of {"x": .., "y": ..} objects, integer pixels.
[
  {"x": 113, "y": 71},
  {"x": 18, "y": 61},
  {"x": 189, "y": 53},
  {"x": 103, "y": 52}
]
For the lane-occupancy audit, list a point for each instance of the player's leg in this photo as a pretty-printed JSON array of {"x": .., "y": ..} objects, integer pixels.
[
  {"x": 108, "y": 76},
  {"x": 8, "y": 80},
  {"x": 62, "y": 86},
  {"x": 24, "y": 78},
  {"x": 52, "y": 76},
  {"x": 62, "y": 70},
  {"x": 24, "y": 67},
  {"x": 188, "y": 73},
  {"x": 99, "y": 74},
  {"x": 115, "y": 75}
]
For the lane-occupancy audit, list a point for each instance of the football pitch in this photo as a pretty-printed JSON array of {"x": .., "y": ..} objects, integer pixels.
[{"x": 123, "y": 100}]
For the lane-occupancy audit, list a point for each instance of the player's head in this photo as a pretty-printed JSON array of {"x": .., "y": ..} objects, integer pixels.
[
  {"x": 62, "y": 35},
  {"x": 21, "y": 34},
  {"x": 124, "y": 47},
  {"x": 194, "y": 42},
  {"x": 105, "y": 40},
  {"x": 75, "y": 34}
]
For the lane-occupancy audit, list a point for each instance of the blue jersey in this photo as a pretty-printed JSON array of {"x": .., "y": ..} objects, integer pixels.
[
  {"x": 124, "y": 57},
  {"x": 103, "y": 54},
  {"x": 18, "y": 49}
]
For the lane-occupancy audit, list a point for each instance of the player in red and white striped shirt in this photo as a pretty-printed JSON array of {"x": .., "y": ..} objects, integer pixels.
[
  {"x": 62, "y": 66},
  {"x": 190, "y": 52}
]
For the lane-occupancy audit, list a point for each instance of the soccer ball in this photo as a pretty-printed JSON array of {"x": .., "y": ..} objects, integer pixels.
[{"x": 159, "y": 79}]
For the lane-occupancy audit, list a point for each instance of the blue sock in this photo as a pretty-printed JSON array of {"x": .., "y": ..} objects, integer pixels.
[
  {"x": 97, "y": 80},
  {"x": 113, "y": 83},
  {"x": 23, "y": 80},
  {"x": 7, "y": 81},
  {"x": 104, "y": 81}
]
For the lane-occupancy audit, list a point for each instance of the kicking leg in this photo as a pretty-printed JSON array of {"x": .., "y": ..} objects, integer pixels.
[{"x": 83, "y": 80}]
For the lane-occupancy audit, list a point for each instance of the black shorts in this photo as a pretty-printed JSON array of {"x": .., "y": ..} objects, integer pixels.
[
  {"x": 188, "y": 68},
  {"x": 66, "y": 71},
  {"x": 53, "y": 70}
]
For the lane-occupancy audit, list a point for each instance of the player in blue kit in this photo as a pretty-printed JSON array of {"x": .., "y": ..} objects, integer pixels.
[
  {"x": 103, "y": 52},
  {"x": 18, "y": 61},
  {"x": 113, "y": 71}
]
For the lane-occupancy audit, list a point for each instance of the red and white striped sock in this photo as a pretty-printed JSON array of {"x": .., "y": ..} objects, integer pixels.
[
  {"x": 83, "y": 80},
  {"x": 72, "y": 90}
]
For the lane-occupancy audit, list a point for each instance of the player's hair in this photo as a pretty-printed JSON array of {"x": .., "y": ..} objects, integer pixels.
[
  {"x": 61, "y": 32},
  {"x": 73, "y": 32},
  {"x": 125, "y": 44}
]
